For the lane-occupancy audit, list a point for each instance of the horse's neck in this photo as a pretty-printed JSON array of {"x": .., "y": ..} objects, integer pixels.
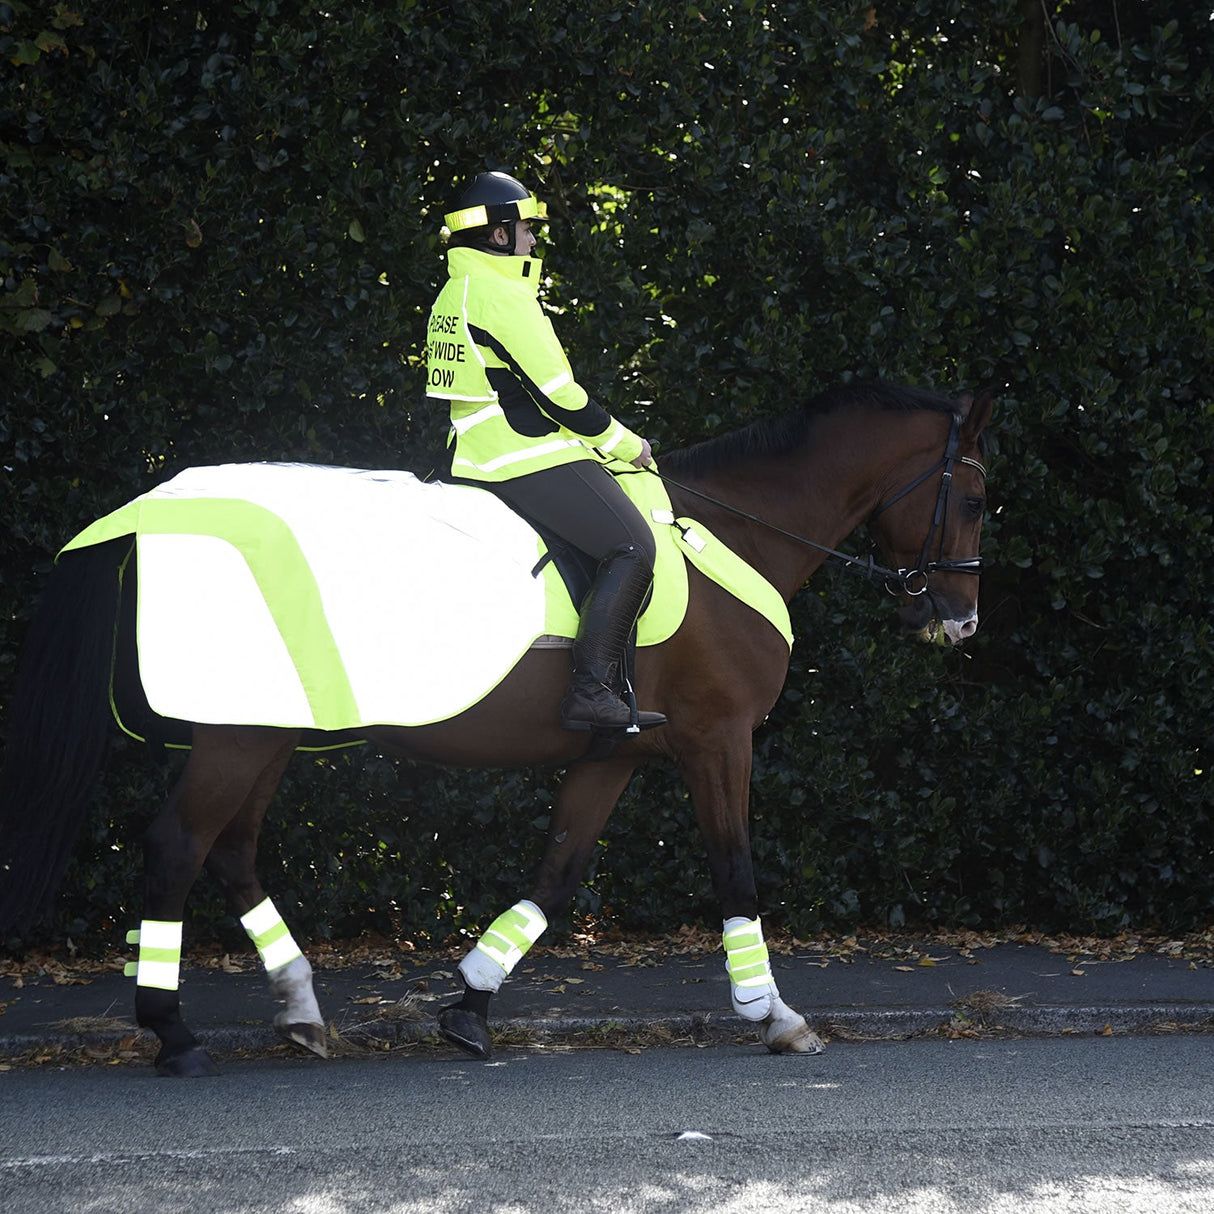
[{"x": 820, "y": 494}]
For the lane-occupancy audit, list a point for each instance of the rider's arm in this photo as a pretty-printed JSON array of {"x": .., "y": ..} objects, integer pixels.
[{"x": 523, "y": 338}]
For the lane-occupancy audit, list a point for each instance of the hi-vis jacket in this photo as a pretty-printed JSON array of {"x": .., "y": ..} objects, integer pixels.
[{"x": 492, "y": 355}]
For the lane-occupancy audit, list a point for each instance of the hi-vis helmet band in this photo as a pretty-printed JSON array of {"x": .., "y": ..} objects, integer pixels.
[{"x": 503, "y": 212}]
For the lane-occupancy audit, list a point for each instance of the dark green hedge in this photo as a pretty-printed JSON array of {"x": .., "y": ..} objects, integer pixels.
[{"x": 219, "y": 240}]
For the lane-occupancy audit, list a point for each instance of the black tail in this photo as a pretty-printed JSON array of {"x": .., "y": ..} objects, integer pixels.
[{"x": 59, "y": 726}]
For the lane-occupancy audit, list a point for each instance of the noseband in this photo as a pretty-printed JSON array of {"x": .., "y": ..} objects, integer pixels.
[
  {"x": 896, "y": 581},
  {"x": 914, "y": 581}
]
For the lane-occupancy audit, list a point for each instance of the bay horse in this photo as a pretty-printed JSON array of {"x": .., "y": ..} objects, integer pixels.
[{"x": 781, "y": 493}]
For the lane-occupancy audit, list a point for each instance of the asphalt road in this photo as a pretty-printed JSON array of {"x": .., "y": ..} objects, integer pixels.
[{"x": 1083, "y": 1124}]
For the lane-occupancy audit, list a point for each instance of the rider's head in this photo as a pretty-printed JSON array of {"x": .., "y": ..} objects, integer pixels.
[{"x": 494, "y": 214}]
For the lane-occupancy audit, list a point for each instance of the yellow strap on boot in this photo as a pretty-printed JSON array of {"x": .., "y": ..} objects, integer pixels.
[
  {"x": 159, "y": 963},
  {"x": 746, "y": 959},
  {"x": 503, "y": 946},
  {"x": 273, "y": 940}
]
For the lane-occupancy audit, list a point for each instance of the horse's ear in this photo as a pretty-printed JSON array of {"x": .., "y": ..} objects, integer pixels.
[{"x": 976, "y": 413}]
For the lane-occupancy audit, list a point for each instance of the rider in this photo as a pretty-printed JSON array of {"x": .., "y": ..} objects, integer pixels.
[{"x": 524, "y": 428}]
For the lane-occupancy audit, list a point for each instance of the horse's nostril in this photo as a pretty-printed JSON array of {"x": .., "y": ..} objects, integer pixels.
[{"x": 958, "y": 630}]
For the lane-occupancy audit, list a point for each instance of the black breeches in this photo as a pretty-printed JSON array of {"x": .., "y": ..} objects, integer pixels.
[{"x": 581, "y": 503}]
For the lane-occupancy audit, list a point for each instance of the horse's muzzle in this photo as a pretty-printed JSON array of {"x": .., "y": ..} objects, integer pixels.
[{"x": 927, "y": 619}]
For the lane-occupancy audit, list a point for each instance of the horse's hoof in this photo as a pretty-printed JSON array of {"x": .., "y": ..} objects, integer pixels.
[
  {"x": 195, "y": 1063},
  {"x": 310, "y": 1037},
  {"x": 800, "y": 1039},
  {"x": 466, "y": 1029}
]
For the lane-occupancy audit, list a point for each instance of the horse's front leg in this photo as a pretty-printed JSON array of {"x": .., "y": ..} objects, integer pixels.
[
  {"x": 717, "y": 772},
  {"x": 584, "y": 802}
]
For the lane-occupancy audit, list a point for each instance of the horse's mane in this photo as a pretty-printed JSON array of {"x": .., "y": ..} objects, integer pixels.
[{"x": 789, "y": 432}]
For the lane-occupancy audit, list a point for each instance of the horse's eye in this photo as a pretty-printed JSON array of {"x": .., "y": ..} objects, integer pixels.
[{"x": 975, "y": 506}]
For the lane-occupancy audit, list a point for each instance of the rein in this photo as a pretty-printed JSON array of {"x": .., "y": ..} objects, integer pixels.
[{"x": 896, "y": 581}]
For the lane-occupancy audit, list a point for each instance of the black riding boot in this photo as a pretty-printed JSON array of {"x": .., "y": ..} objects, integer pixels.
[{"x": 607, "y": 618}]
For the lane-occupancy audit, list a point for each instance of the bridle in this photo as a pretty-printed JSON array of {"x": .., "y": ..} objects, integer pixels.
[
  {"x": 903, "y": 580},
  {"x": 912, "y": 582}
]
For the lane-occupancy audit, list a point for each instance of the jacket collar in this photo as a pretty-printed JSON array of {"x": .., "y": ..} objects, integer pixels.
[{"x": 463, "y": 262}]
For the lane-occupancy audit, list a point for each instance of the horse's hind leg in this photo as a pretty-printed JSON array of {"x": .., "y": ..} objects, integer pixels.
[
  {"x": 224, "y": 767},
  {"x": 232, "y": 862},
  {"x": 586, "y": 797}
]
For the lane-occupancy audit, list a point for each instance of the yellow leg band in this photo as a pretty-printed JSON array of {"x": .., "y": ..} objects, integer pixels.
[
  {"x": 159, "y": 963},
  {"x": 275, "y": 944},
  {"x": 511, "y": 934}
]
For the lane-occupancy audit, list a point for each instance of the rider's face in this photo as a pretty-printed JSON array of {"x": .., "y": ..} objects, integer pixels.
[{"x": 524, "y": 238}]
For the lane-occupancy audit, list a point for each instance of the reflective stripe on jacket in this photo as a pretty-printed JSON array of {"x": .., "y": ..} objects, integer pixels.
[{"x": 493, "y": 357}]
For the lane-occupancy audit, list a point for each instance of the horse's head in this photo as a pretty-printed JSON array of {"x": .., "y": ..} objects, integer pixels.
[{"x": 929, "y": 530}]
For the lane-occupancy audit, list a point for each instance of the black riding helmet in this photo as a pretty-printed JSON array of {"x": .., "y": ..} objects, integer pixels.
[{"x": 488, "y": 201}]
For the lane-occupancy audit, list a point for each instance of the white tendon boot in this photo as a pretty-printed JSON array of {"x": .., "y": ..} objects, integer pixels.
[
  {"x": 754, "y": 994},
  {"x": 503, "y": 946},
  {"x": 290, "y": 976},
  {"x": 300, "y": 1021}
]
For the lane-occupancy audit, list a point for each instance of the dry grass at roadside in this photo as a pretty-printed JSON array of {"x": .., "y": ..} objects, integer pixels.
[
  {"x": 67, "y": 964},
  {"x": 376, "y": 1026}
]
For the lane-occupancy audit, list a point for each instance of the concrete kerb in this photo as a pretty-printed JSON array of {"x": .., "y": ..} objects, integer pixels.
[
  {"x": 1036, "y": 1021},
  {"x": 638, "y": 998},
  {"x": 623, "y": 1031}
]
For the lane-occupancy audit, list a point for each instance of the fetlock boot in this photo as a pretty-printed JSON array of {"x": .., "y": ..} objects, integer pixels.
[{"x": 607, "y": 618}]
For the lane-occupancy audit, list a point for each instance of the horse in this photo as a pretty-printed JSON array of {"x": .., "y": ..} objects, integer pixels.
[{"x": 781, "y": 492}]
